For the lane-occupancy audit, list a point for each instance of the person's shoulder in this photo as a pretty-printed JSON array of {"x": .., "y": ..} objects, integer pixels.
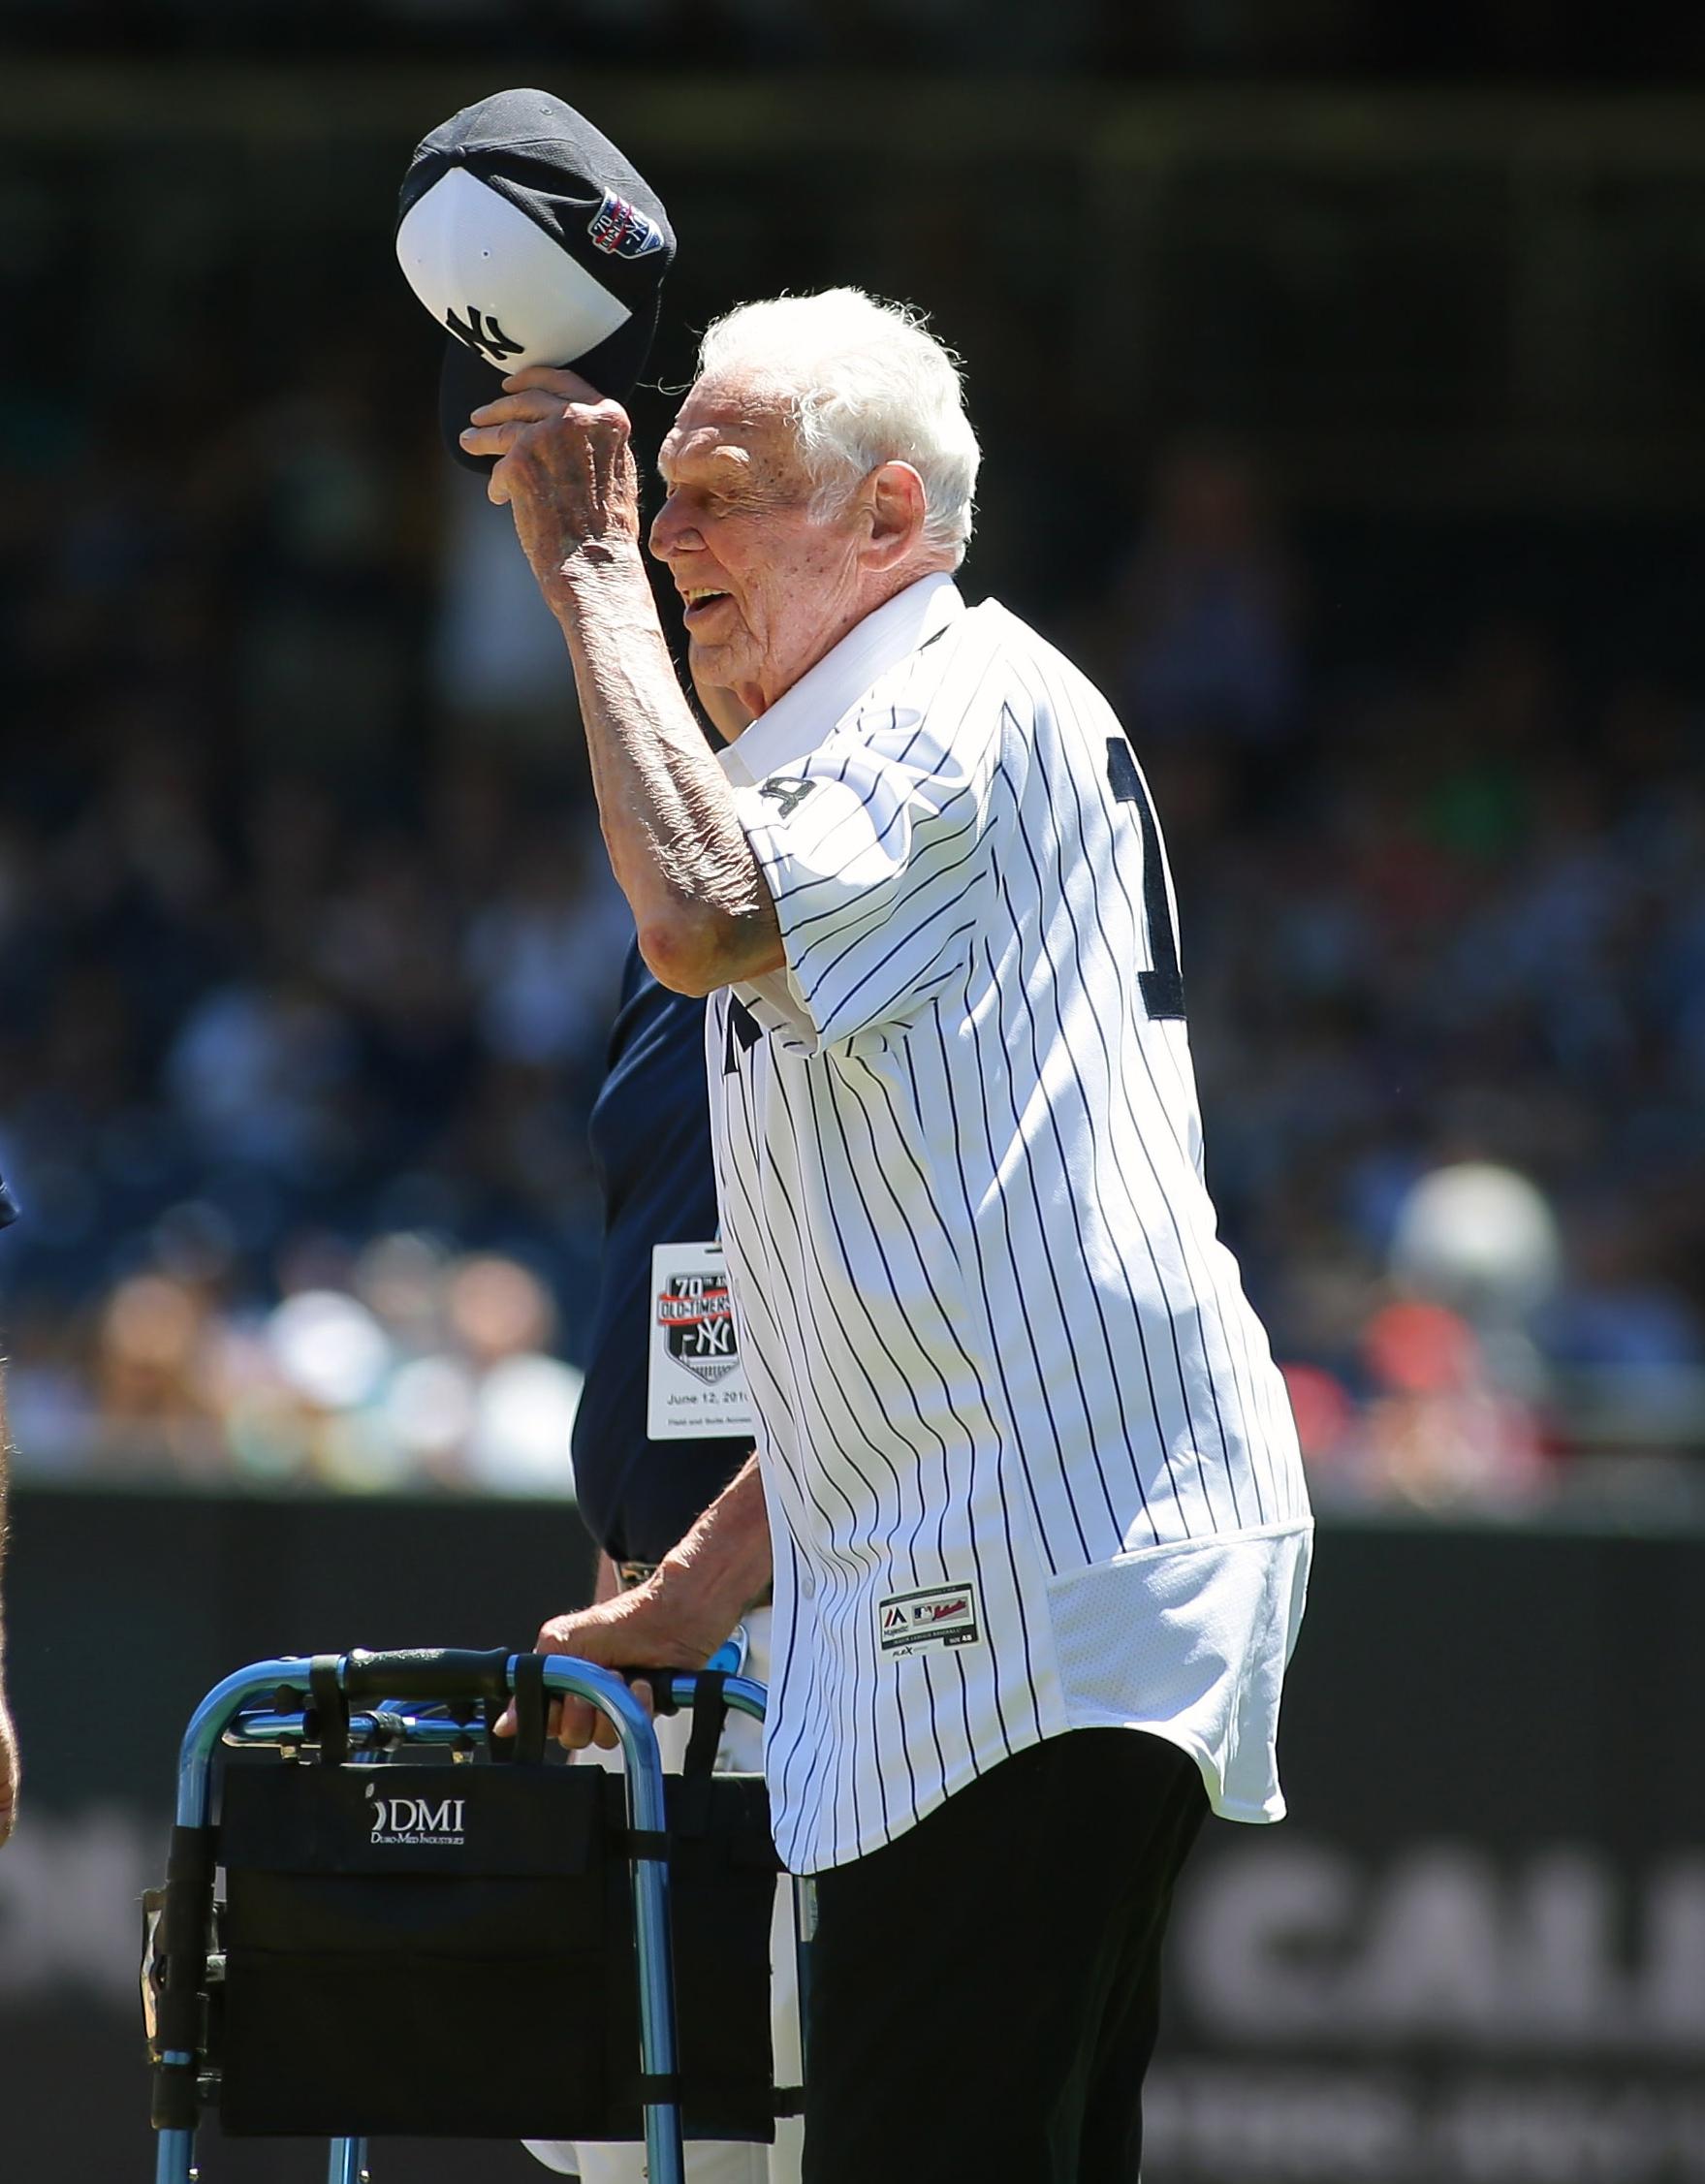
[
  {"x": 7, "y": 1205},
  {"x": 942, "y": 682},
  {"x": 1041, "y": 673},
  {"x": 1009, "y": 657}
]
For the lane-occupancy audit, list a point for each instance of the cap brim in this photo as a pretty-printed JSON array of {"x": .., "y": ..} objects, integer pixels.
[{"x": 468, "y": 380}]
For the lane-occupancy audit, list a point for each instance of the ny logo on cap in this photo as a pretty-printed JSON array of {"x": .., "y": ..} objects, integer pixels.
[{"x": 482, "y": 333}]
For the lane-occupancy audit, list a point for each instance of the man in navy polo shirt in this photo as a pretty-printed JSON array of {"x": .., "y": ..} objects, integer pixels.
[
  {"x": 664, "y": 1419},
  {"x": 648, "y": 1456}
]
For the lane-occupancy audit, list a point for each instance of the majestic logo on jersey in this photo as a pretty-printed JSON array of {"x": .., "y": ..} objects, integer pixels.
[
  {"x": 480, "y": 332},
  {"x": 944, "y": 1615},
  {"x": 786, "y": 792},
  {"x": 621, "y": 230},
  {"x": 416, "y": 1820},
  {"x": 699, "y": 1316}
]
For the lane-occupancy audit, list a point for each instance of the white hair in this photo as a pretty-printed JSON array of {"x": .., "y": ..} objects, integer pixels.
[{"x": 866, "y": 384}]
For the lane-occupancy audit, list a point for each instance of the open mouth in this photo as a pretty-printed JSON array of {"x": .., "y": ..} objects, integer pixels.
[{"x": 702, "y": 602}]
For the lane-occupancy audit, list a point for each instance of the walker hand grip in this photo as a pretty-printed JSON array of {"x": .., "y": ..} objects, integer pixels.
[{"x": 428, "y": 1673}]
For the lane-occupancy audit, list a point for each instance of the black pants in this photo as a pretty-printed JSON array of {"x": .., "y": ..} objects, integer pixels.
[{"x": 986, "y": 1989}]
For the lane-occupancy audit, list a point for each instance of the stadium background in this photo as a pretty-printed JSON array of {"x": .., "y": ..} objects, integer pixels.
[{"x": 1339, "y": 371}]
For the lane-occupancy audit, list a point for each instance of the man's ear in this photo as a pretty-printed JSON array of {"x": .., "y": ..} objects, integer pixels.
[{"x": 899, "y": 511}]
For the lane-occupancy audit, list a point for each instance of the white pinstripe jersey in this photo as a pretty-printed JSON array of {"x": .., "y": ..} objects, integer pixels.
[{"x": 1029, "y": 1464}]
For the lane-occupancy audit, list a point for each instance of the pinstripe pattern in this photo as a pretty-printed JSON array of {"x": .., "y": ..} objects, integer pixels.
[{"x": 990, "y": 1330}]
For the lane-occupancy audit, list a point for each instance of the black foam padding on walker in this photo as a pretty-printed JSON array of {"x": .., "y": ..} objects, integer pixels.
[
  {"x": 428, "y": 1673},
  {"x": 697, "y": 1768},
  {"x": 183, "y": 1963},
  {"x": 529, "y": 1708},
  {"x": 331, "y": 1710}
]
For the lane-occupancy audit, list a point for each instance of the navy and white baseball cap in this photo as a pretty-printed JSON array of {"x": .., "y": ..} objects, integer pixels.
[{"x": 532, "y": 240}]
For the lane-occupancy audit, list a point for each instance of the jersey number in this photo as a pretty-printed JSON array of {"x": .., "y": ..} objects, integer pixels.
[{"x": 1162, "y": 988}]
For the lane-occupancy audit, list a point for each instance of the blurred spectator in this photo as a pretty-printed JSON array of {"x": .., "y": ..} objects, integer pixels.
[
  {"x": 1208, "y": 607},
  {"x": 308, "y": 945},
  {"x": 405, "y": 1365},
  {"x": 1434, "y": 1431}
]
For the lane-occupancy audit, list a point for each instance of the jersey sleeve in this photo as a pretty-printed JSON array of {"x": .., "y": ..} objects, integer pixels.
[{"x": 876, "y": 848}]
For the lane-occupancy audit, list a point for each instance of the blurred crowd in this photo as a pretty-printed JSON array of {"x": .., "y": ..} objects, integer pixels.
[
  {"x": 1197, "y": 36},
  {"x": 308, "y": 950},
  {"x": 294, "y": 954},
  {"x": 1442, "y": 910}
]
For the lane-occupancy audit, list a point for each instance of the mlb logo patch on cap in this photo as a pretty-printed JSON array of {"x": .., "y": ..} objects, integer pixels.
[
  {"x": 531, "y": 240},
  {"x": 622, "y": 231}
]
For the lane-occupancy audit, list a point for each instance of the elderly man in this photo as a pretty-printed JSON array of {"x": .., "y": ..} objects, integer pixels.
[{"x": 1040, "y": 1534}]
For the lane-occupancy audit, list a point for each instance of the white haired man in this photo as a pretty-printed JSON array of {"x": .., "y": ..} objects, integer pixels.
[{"x": 1040, "y": 1535}]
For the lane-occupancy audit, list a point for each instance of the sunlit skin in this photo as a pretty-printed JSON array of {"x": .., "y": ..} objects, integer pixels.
[
  {"x": 770, "y": 588},
  {"x": 785, "y": 581},
  {"x": 770, "y": 580},
  {"x": 739, "y": 520}
]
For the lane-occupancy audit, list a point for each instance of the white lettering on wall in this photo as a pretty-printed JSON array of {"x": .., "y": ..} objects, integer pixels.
[
  {"x": 71, "y": 1887},
  {"x": 1293, "y": 1943}
]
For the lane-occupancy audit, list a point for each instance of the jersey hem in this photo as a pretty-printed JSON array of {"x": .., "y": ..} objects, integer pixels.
[
  {"x": 1238, "y": 1809},
  {"x": 1282, "y": 1528}
]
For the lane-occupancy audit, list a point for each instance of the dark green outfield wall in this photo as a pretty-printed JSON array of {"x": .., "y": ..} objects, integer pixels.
[{"x": 1475, "y": 1952}]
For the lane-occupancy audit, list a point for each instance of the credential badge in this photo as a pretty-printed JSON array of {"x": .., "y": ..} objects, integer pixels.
[{"x": 697, "y": 1317}]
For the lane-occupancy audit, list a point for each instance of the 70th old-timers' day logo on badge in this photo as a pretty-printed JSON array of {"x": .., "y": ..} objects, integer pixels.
[{"x": 699, "y": 1316}]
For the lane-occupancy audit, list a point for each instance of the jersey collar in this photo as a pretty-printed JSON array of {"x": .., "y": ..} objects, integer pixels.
[{"x": 801, "y": 716}]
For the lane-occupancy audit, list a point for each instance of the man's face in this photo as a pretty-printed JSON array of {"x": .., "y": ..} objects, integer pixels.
[{"x": 768, "y": 586}]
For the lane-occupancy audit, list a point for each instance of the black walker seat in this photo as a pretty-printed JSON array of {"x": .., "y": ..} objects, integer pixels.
[{"x": 469, "y": 1943}]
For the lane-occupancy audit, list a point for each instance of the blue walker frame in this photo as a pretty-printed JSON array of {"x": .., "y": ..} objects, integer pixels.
[{"x": 221, "y": 1719}]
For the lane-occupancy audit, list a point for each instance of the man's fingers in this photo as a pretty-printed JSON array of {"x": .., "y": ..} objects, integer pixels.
[
  {"x": 490, "y": 439},
  {"x": 578, "y": 1724},
  {"x": 493, "y": 428},
  {"x": 535, "y": 408},
  {"x": 553, "y": 379}
]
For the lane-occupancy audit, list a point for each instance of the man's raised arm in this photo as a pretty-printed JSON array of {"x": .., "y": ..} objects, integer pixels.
[{"x": 703, "y": 913}]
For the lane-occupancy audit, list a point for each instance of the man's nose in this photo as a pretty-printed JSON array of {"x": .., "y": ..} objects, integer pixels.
[{"x": 670, "y": 532}]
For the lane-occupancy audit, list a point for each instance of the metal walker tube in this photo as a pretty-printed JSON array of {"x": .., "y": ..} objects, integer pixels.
[{"x": 643, "y": 1769}]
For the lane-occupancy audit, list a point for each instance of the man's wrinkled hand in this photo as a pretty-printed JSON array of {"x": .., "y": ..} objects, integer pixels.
[
  {"x": 564, "y": 469},
  {"x": 638, "y": 1629}
]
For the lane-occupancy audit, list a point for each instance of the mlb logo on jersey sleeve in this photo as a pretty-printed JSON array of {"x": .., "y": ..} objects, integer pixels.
[{"x": 945, "y": 1615}]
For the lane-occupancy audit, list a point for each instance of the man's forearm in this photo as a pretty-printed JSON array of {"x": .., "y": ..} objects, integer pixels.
[
  {"x": 704, "y": 913},
  {"x": 724, "y": 1563},
  {"x": 681, "y": 1613}
]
